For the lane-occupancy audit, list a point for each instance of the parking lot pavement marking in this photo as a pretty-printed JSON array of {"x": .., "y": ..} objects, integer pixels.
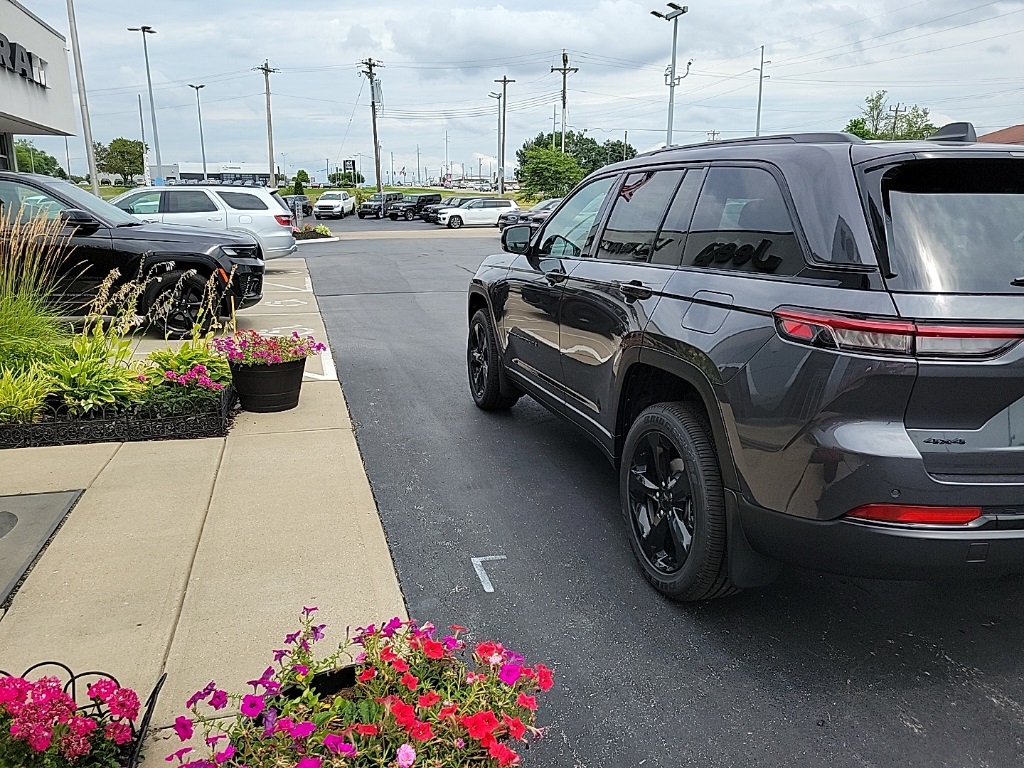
[
  {"x": 478, "y": 565},
  {"x": 330, "y": 372},
  {"x": 286, "y": 330},
  {"x": 286, "y": 303},
  {"x": 307, "y": 287}
]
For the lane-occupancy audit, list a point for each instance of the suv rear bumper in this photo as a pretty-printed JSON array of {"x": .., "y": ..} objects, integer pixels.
[{"x": 880, "y": 551}]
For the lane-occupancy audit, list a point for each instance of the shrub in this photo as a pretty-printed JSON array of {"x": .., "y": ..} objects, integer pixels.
[
  {"x": 95, "y": 373},
  {"x": 171, "y": 393},
  {"x": 193, "y": 352},
  {"x": 23, "y": 393}
]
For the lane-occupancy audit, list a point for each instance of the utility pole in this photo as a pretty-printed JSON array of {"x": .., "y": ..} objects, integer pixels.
[
  {"x": 374, "y": 98},
  {"x": 761, "y": 77},
  {"x": 147, "y": 178},
  {"x": 554, "y": 123},
  {"x": 565, "y": 69},
  {"x": 625, "y": 141},
  {"x": 498, "y": 97},
  {"x": 90, "y": 156},
  {"x": 419, "y": 180},
  {"x": 713, "y": 135},
  {"x": 392, "y": 169},
  {"x": 479, "y": 167},
  {"x": 267, "y": 72},
  {"x": 447, "y": 166},
  {"x": 501, "y": 154},
  {"x": 896, "y": 117}
]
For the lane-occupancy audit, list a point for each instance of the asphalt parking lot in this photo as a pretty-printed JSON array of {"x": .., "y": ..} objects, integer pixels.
[{"x": 814, "y": 670}]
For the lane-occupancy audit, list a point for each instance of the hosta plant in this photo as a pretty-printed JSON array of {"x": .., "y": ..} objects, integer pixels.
[{"x": 417, "y": 697}]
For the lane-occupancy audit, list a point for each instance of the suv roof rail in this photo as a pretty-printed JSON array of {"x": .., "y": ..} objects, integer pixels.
[
  {"x": 824, "y": 137},
  {"x": 955, "y": 132}
]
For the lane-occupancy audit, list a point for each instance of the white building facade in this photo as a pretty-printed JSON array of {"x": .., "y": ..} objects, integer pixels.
[
  {"x": 35, "y": 81},
  {"x": 219, "y": 172}
]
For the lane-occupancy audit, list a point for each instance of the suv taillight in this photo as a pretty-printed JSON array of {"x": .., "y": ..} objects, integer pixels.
[
  {"x": 284, "y": 221},
  {"x": 900, "y": 337},
  {"x": 915, "y": 515}
]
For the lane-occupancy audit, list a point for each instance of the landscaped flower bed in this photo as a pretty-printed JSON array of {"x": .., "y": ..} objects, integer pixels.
[
  {"x": 409, "y": 696},
  {"x": 319, "y": 232}
]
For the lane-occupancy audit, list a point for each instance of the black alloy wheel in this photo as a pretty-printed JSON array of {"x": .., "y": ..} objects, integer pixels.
[
  {"x": 673, "y": 502},
  {"x": 483, "y": 366},
  {"x": 409, "y": 215},
  {"x": 175, "y": 304}
]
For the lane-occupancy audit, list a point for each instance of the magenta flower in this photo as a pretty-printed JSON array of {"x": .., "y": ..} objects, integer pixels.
[
  {"x": 308, "y": 762},
  {"x": 201, "y": 695},
  {"x": 223, "y": 757},
  {"x": 406, "y": 756},
  {"x": 219, "y": 699},
  {"x": 280, "y": 654},
  {"x": 338, "y": 745},
  {"x": 289, "y": 639},
  {"x": 391, "y": 627},
  {"x": 300, "y": 669},
  {"x": 178, "y": 755},
  {"x": 510, "y": 673},
  {"x": 303, "y": 730},
  {"x": 183, "y": 727},
  {"x": 252, "y": 705},
  {"x": 318, "y": 631},
  {"x": 309, "y": 610}
]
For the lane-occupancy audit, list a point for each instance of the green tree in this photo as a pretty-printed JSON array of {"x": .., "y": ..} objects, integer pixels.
[
  {"x": 876, "y": 121},
  {"x": 31, "y": 159},
  {"x": 346, "y": 179},
  {"x": 589, "y": 155},
  {"x": 301, "y": 176},
  {"x": 122, "y": 157},
  {"x": 549, "y": 173}
]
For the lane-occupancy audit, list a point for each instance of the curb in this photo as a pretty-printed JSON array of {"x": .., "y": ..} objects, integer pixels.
[{"x": 318, "y": 240}]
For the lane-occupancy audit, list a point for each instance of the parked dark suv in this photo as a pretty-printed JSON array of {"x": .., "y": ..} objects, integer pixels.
[
  {"x": 411, "y": 206},
  {"x": 378, "y": 204},
  {"x": 104, "y": 238},
  {"x": 797, "y": 348}
]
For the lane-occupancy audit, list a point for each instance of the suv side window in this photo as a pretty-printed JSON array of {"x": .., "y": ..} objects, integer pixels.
[
  {"x": 190, "y": 201},
  {"x": 27, "y": 202},
  {"x": 144, "y": 203},
  {"x": 242, "y": 201},
  {"x": 636, "y": 216},
  {"x": 668, "y": 248},
  {"x": 570, "y": 230},
  {"x": 742, "y": 223}
]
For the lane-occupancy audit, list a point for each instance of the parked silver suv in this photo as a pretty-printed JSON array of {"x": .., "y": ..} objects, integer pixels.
[{"x": 256, "y": 211}]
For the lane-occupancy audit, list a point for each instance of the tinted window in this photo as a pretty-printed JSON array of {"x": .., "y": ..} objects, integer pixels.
[
  {"x": 570, "y": 230},
  {"x": 242, "y": 201},
  {"x": 956, "y": 227},
  {"x": 180, "y": 201},
  {"x": 25, "y": 202},
  {"x": 742, "y": 223},
  {"x": 144, "y": 203},
  {"x": 636, "y": 216},
  {"x": 668, "y": 248}
]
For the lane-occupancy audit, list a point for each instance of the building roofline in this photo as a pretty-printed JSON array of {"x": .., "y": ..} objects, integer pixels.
[{"x": 25, "y": 10}]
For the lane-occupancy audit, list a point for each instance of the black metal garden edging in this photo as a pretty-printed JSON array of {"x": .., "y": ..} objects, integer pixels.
[
  {"x": 55, "y": 427},
  {"x": 77, "y": 683}
]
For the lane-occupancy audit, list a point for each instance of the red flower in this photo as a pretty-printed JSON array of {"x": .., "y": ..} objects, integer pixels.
[
  {"x": 400, "y": 666},
  {"x": 481, "y": 724},
  {"x": 429, "y": 699},
  {"x": 544, "y": 678},
  {"x": 490, "y": 652},
  {"x": 421, "y": 731},
  {"x": 410, "y": 681},
  {"x": 515, "y": 726},
  {"x": 405, "y": 714},
  {"x": 503, "y": 754},
  {"x": 530, "y": 702},
  {"x": 456, "y": 628},
  {"x": 367, "y": 674},
  {"x": 387, "y": 654},
  {"x": 367, "y": 730},
  {"x": 433, "y": 649}
]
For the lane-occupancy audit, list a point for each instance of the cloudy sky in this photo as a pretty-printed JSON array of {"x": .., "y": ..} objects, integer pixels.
[{"x": 960, "y": 58}]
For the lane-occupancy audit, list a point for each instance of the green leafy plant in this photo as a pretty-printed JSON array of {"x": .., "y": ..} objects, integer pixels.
[
  {"x": 173, "y": 394},
  {"x": 95, "y": 372},
  {"x": 23, "y": 393},
  {"x": 323, "y": 229},
  {"x": 193, "y": 352}
]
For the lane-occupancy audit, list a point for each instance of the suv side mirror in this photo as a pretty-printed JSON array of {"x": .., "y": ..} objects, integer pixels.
[
  {"x": 75, "y": 217},
  {"x": 516, "y": 239}
]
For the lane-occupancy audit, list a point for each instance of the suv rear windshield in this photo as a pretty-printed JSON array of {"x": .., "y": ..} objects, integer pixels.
[{"x": 956, "y": 226}]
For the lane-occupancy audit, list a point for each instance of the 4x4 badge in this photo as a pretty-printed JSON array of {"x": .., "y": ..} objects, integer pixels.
[{"x": 740, "y": 255}]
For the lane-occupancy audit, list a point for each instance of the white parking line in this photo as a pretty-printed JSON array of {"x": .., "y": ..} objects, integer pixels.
[{"x": 481, "y": 573}]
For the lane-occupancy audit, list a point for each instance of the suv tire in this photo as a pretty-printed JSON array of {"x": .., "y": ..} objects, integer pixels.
[
  {"x": 361, "y": 215},
  {"x": 675, "y": 509},
  {"x": 454, "y": 222},
  {"x": 179, "y": 303},
  {"x": 410, "y": 215},
  {"x": 483, "y": 364}
]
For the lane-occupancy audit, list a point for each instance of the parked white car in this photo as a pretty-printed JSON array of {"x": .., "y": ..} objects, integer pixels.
[
  {"x": 256, "y": 211},
  {"x": 331, "y": 204},
  {"x": 483, "y": 211}
]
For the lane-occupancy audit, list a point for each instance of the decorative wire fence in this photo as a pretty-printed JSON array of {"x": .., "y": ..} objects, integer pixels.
[{"x": 53, "y": 425}]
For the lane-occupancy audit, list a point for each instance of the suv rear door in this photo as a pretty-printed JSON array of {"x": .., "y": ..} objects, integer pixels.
[
  {"x": 194, "y": 207},
  {"x": 952, "y": 230}
]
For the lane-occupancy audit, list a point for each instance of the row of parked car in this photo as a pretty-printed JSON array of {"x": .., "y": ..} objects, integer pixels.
[{"x": 453, "y": 211}]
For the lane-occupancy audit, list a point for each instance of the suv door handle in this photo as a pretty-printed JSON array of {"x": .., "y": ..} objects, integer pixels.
[
  {"x": 555, "y": 277},
  {"x": 216, "y": 218},
  {"x": 634, "y": 289}
]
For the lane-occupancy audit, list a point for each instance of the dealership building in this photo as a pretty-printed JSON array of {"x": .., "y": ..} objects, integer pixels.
[
  {"x": 35, "y": 81},
  {"x": 227, "y": 173}
]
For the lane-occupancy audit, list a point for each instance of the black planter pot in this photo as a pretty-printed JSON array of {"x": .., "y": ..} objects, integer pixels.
[{"x": 268, "y": 388}]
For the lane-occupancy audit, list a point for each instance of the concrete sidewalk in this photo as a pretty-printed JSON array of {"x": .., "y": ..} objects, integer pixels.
[{"x": 195, "y": 557}]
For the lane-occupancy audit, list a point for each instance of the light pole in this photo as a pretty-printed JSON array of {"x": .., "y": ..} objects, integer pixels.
[
  {"x": 90, "y": 156},
  {"x": 202, "y": 142},
  {"x": 284, "y": 167},
  {"x": 498, "y": 97},
  {"x": 761, "y": 77},
  {"x": 670, "y": 76},
  {"x": 159, "y": 181}
]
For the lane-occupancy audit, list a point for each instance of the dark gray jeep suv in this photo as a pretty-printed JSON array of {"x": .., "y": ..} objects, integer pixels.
[{"x": 796, "y": 348}]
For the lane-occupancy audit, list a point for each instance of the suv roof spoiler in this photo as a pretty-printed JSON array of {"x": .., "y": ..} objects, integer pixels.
[
  {"x": 823, "y": 137},
  {"x": 963, "y": 132}
]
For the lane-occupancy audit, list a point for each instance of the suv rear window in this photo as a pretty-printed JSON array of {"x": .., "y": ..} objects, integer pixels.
[
  {"x": 955, "y": 226},
  {"x": 242, "y": 201}
]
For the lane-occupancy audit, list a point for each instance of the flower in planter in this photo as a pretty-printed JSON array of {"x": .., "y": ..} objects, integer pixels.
[
  {"x": 251, "y": 348},
  {"x": 42, "y": 726},
  {"x": 414, "y": 697}
]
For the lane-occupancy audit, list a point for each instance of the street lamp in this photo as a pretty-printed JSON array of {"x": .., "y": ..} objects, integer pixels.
[
  {"x": 202, "y": 141},
  {"x": 152, "y": 104},
  {"x": 497, "y": 157},
  {"x": 760, "y": 88},
  {"x": 670, "y": 75}
]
